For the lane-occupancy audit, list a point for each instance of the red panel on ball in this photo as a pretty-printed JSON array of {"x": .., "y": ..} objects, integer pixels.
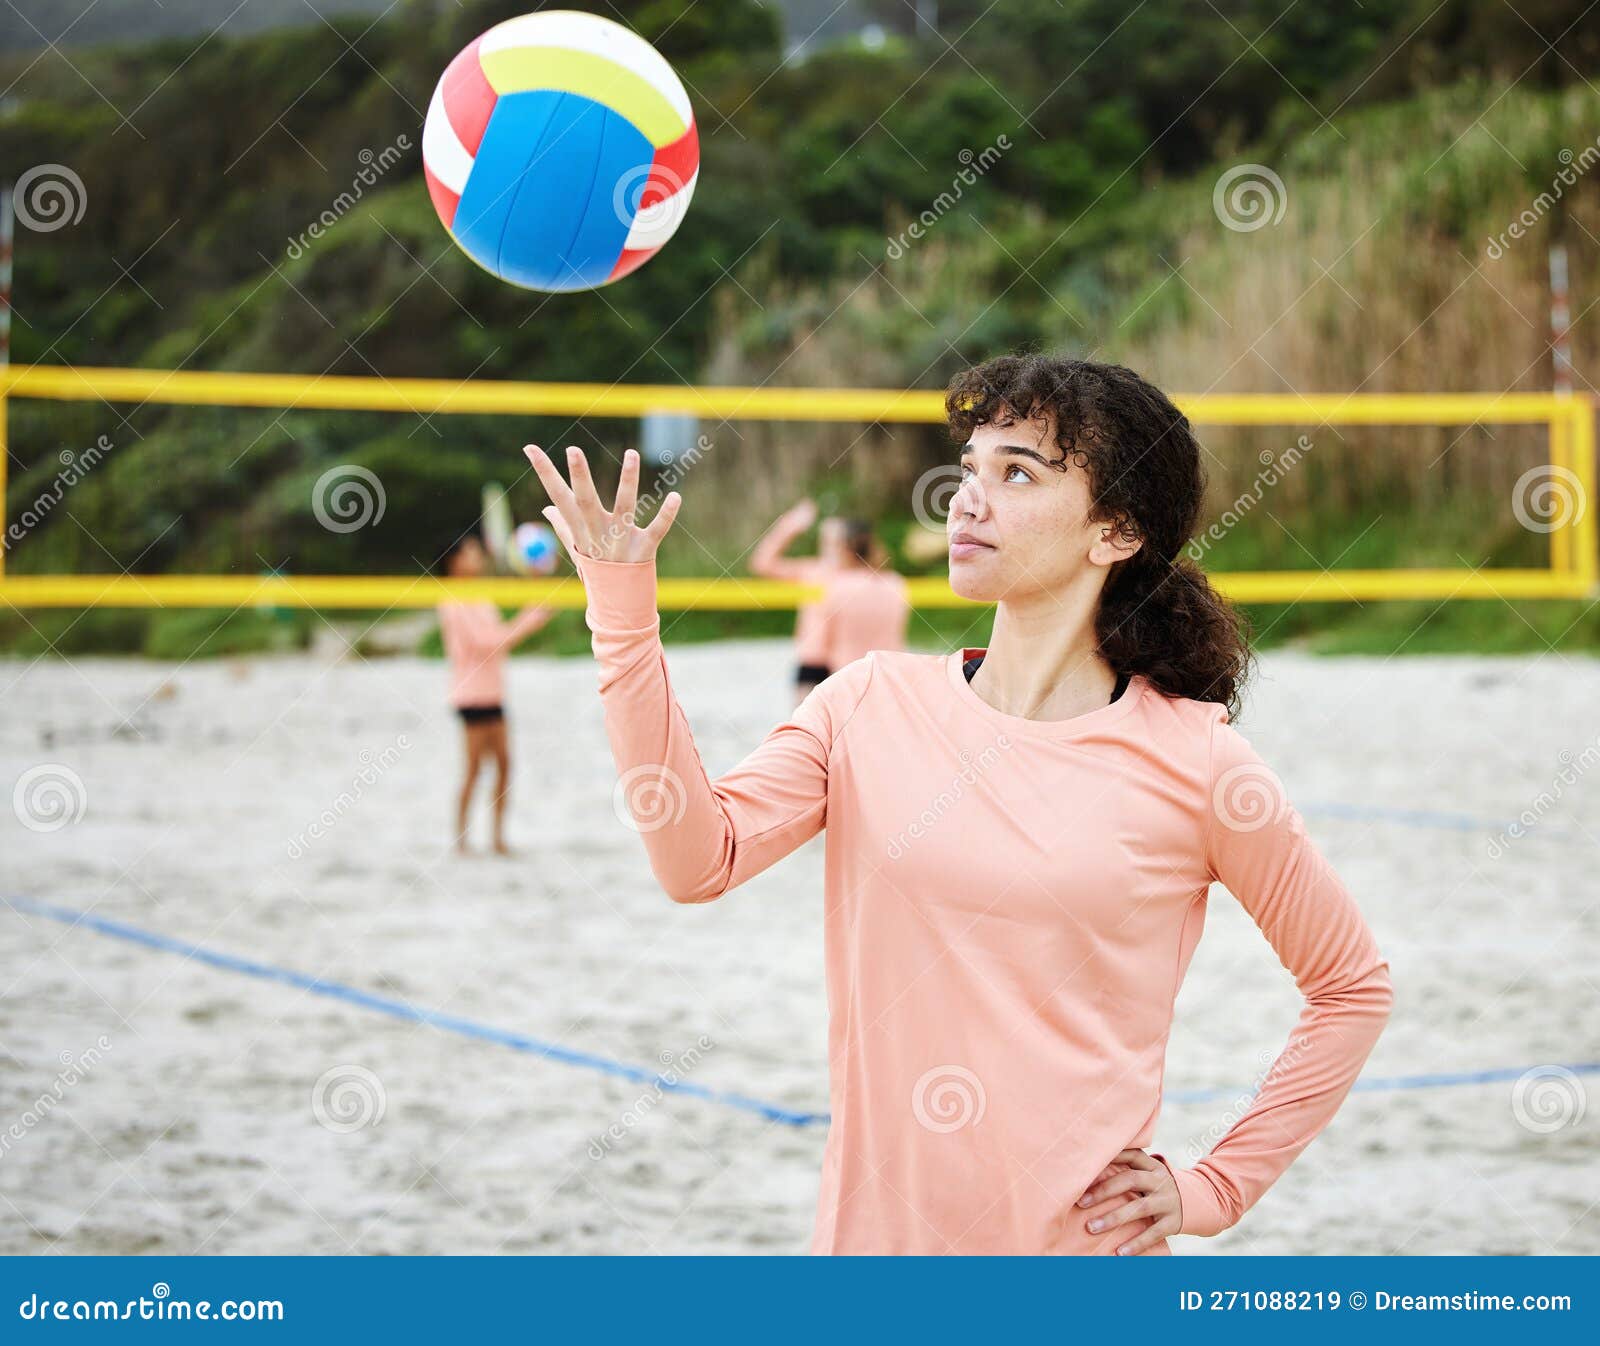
[{"x": 468, "y": 97}]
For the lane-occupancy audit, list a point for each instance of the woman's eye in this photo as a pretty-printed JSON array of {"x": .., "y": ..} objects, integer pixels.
[{"x": 1015, "y": 468}]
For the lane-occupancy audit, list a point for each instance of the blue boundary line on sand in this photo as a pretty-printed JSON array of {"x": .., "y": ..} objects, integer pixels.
[
  {"x": 1452, "y": 822},
  {"x": 470, "y": 1028},
  {"x": 399, "y": 1009}
]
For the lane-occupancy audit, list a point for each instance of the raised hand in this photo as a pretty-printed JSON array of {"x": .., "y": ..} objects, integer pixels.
[{"x": 588, "y": 528}]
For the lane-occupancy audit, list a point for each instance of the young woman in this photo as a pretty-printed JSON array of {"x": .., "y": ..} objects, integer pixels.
[
  {"x": 1021, "y": 839},
  {"x": 477, "y": 642}
]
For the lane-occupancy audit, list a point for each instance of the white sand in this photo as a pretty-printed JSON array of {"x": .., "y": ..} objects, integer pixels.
[{"x": 194, "y": 1130}]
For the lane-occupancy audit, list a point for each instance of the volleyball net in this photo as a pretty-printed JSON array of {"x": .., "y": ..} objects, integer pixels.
[{"x": 1568, "y": 514}]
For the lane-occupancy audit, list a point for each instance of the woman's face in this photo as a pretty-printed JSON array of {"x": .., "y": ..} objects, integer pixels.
[
  {"x": 830, "y": 538},
  {"x": 468, "y": 559},
  {"x": 1028, "y": 521}
]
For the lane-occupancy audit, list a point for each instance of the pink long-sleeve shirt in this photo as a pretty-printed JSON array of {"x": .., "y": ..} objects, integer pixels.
[
  {"x": 1010, "y": 908},
  {"x": 476, "y": 641}
]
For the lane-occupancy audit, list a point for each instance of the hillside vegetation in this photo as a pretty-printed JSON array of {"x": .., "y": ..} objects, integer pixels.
[{"x": 1404, "y": 138}]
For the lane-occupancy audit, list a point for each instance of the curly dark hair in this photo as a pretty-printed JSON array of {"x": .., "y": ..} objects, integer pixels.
[{"x": 1158, "y": 614}]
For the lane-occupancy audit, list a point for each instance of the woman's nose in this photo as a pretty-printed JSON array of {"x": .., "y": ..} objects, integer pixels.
[{"x": 969, "y": 498}]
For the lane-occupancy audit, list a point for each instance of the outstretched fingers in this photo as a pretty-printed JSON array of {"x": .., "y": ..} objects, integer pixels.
[
  {"x": 562, "y": 499},
  {"x": 658, "y": 526},
  {"x": 583, "y": 487},
  {"x": 627, "y": 490},
  {"x": 559, "y": 523}
]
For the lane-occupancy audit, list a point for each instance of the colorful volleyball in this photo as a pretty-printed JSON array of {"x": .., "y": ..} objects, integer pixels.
[
  {"x": 532, "y": 550},
  {"x": 560, "y": 150}
]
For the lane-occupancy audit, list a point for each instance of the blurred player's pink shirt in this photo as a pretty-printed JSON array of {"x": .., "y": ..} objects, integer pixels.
[
  {"x": 862, "y": 610},
  {"x": 476, "y": 642},
  {"x": 810, "y": 634},
  {"x": 1010, "y": 906}
]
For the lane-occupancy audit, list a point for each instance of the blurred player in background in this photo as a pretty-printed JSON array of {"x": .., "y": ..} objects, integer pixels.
[
  {"x": 477, "y": 641},
  {"x": 864, "y": 605}
]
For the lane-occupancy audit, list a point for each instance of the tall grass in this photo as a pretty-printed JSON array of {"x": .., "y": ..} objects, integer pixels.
[{"x": 1376, "y": 279}]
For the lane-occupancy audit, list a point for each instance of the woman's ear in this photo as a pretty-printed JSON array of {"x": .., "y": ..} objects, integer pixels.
[{"x": 1118, "y": 541}]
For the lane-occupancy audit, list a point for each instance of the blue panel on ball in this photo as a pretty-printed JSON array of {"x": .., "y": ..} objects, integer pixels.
[
  {"x": 510, "y": 140},
  {"x": 566, "y": 229}
]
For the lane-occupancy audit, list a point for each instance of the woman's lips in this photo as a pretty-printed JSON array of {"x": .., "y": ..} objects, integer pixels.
[{"x": 960, "y": 551}]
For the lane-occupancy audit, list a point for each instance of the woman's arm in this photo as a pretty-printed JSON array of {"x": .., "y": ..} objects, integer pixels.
[
  {"x": 767, "y": 559},
  {"x": 703, "y": 837},
  {"x": 476, "y": 636},
  {"x": 1258, "y": 846},
  {"x": 523, "y": 625}
]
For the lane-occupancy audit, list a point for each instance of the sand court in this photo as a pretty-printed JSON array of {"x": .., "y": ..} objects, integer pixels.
[{"x": 293, "y": 1022}]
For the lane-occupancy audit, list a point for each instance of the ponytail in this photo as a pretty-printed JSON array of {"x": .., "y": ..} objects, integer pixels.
[{"x": 1162, "y": 619}]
